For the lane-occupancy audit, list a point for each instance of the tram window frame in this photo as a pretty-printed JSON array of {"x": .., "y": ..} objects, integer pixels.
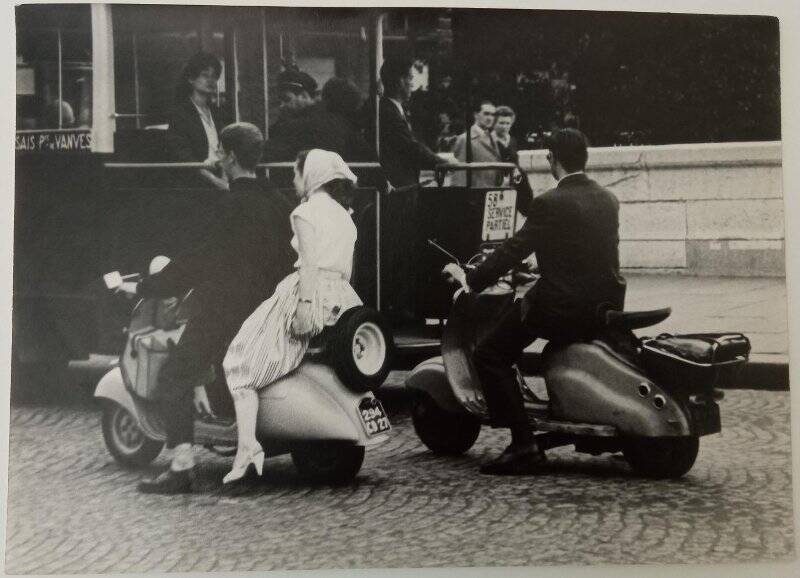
[
  {"x": 194, "y": 28},
  {"x": 53, "y": 44}
]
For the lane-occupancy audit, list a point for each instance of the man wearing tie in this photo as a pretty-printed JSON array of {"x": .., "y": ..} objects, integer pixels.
[
  {"x": 484, "y": 148},
  {"x": 402, "y": 157}
]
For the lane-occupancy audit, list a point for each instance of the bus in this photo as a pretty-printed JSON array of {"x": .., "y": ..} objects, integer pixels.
[{"x": 95, "y": 85}]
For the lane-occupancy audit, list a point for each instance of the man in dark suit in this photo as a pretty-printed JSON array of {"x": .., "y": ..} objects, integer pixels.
[
  {"x": 245, "y": 255},
  {"x": 402, "y": 156},
  {"x": 574, "y": 231}
]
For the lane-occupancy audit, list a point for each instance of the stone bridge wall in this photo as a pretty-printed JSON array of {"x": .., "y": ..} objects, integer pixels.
[{"x": 698, "y": 209}]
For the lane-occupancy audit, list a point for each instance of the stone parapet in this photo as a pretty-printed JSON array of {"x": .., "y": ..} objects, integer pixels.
[{"x": 699, "y": 209}]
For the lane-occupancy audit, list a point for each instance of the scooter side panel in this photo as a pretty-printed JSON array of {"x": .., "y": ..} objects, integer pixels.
[
  {"x": 587, "y": 384},
  {"x": 430, "y": 377},
  {"x": 310, "y": 404}
]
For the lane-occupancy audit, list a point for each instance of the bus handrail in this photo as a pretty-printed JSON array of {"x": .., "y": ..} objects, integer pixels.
[
  {"x": 199, "y": 165},
  {"x": 289, "y": 165}
]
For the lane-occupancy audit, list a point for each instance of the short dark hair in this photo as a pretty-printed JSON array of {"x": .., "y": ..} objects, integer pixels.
[
  {"x": 342, "y": 97},
  {"x": 392, "y": 71},
  {"x": 569, "y": 146},
  {"x": 504, "y": 110},
  {"x": 296, "y": 82},
  {"x": 479, "y": 104},
  {"x": 245, "y": 141},
  {"x": 341, "y": 190},
  {"x": 196, "y": 64}
]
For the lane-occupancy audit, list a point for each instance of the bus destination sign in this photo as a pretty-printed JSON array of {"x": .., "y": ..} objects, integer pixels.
[{"x": 78, "y": 140}]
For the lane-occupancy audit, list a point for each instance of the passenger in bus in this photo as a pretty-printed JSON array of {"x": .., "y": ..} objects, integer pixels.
[
  {"x": 273, "y": 340},
  {"x": 192, "y": 135},
  {"x": 402, "y": 154},
  {"x": 501, "y": 132},
  {"x": 245, "y": 253},
  {"x": 59, "y": 114},
  {"x": 402, "y": 157},
  {"x": 484, "y": 148},
  {"x": 297, "y": 93},
  {"x": 332, "y": 125}
]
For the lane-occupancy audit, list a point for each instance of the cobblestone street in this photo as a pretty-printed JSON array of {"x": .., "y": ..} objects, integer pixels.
[{"x": 72, "y": 509}]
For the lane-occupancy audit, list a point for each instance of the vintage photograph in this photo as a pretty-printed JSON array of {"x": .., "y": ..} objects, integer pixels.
[{"x": 351, "y": 287}]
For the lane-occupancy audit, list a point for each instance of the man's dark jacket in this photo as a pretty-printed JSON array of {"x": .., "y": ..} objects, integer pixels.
[
  {"x": 186, "y": 137},
  {"x": 316, "y": 127},
  {"x": 245, "y": 254},
  {"x": 401, "y": 154},
  {"x": 574, "y": 231}
]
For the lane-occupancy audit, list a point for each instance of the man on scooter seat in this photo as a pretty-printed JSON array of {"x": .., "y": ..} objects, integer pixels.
[
  {"x": 574, "y": 231},
  {"x": 244, "y": 255}
]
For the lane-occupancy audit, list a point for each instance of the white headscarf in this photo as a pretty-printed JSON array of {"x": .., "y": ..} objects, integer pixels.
[{"x": 322, "y": 167}]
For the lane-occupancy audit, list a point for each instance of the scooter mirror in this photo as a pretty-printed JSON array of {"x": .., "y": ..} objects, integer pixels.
[{"x": 113, "y": 280}]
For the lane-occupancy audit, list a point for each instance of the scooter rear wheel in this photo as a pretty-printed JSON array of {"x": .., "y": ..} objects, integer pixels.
[
  {"x": 662, "y": 458},
  {"x": 328, "y": 462},
  {"x": 361, "y": 349},
  {"x": 443, "y": 432},
  {"x": 124, "y": 438}
]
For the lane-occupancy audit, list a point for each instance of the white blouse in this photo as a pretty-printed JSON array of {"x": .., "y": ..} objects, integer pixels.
[
  {"x": 334, "y": 233},
  {"x": 211, "y": 133},
  {"x": 332, "y": 244}
]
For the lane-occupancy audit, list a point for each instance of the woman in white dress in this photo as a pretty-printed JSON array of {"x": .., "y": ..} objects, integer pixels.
[{"x": 273, "y": 340}]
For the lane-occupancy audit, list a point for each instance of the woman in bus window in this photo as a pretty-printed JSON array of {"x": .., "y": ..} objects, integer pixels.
[
  {"x": 273, "y": 340},
  {"x": 192, "y": 134}
]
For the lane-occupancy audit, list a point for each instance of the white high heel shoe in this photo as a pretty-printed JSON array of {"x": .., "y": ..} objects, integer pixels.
[{"x": 249, "y": 456}]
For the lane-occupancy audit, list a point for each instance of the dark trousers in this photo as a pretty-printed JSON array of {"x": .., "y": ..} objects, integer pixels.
[
  {"x": 495, "y": 354},
  {"x": 501, "y": 347},
  {"x": 202, "y": 345}
]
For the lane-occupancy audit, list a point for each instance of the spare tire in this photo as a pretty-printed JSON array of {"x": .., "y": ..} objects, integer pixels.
[{"x": 360, "y": 349}]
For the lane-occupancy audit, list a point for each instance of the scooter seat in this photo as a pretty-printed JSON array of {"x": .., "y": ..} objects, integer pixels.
[{"x": 636, "y": 319}]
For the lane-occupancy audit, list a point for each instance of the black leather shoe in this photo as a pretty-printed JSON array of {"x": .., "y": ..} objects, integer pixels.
[
  {"x": 516, "y": 462},
  {"x": 167, "y": 483}
]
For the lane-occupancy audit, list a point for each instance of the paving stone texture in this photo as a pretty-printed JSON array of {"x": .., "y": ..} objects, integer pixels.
[{"x": 72, "y": 509}]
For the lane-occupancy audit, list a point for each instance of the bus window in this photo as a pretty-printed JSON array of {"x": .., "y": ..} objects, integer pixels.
[
  {"x": 323, "y": 43},
  {"x": 152, "y": 45},
  {"x": 54, "y": 67}
]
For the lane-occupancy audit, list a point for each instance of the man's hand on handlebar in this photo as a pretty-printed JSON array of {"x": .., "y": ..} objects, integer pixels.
[{"x": 455, "y": 274}]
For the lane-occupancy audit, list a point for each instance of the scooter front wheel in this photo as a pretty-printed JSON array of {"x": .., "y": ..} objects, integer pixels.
[
  {"x": 443, "y": 432},
  {"x": 328, "y": 462},
  {"x": 662, "y": 458},
  {"x": 124, "y": 438}
]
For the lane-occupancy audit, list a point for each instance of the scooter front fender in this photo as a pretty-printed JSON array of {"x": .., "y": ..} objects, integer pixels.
[
  {"x": 429, "y": 377},
  {"x": 311, "y": 403},
  {"x": 112, "y": 387}
]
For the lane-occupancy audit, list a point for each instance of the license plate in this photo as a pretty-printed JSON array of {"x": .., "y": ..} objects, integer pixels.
[
  {"x": 373, "y": 416},
  {"x": 499, "y": 215}
]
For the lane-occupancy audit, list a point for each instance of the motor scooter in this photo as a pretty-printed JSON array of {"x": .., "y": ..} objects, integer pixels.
[
  {"x": 609, "y": 394},
  {"x": 324, "y": 413}
]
